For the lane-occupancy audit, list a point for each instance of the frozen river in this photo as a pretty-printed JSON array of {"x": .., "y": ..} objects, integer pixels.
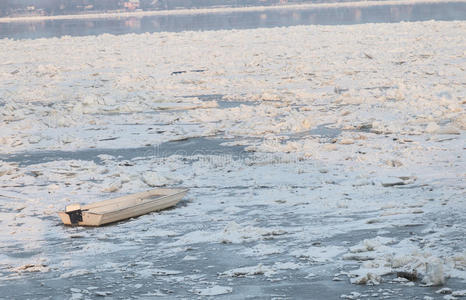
[{"x": 323, "y": 162}]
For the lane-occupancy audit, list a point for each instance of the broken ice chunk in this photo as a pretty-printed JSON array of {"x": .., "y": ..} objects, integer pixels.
[
  {"x": 153, "y": 179},
  {"x": 214, "y": 290},
  {"x": 434, "y": 272}
]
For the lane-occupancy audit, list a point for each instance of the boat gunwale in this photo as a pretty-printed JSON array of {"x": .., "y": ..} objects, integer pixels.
[{"x": 183, "y": 190}]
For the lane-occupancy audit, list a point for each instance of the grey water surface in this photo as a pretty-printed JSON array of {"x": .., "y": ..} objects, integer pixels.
[{"x": 446, "y": 11}]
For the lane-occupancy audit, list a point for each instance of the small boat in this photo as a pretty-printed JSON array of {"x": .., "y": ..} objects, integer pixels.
[{"x": 121, "y": 208}]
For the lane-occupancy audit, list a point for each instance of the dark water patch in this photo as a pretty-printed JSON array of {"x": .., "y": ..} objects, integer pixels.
[
  {"x": 323, "y": 132},
  {"x": 232, "y": 104},
  {"x": 356, "y": 236},
  {"x": 206, "y": 97},
  {"x": 236, "y": 20},
  {"x": 17, "y": 253},
  {"x": 219, "y": 98},
  {"x": 187, "y": 147},
  {"x": 187, "y": 71}
]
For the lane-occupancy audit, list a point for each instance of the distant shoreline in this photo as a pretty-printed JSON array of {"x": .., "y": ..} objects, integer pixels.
[{"x": 117, "y": 15}]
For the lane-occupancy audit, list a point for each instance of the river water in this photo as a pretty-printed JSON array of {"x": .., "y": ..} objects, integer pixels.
[{"x": 236, "y": 20}]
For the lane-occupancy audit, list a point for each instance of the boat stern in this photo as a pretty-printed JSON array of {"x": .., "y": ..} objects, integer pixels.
[
  {"x": 64, "y": 217},
  {"x": 88, "y": 219}
]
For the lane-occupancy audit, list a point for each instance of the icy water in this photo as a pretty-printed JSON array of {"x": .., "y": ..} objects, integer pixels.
[
  {"x": 237, "y": 20},
  {"x": 259, "y": 212},
  {"x": 185, "y": 147},
  {"x": 126, "y": 273}
]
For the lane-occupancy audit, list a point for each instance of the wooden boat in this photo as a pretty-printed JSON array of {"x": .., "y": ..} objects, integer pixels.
[{"x": 117, "y": 209}]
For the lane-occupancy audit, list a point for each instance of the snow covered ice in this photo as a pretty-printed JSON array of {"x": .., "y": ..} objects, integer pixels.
[{"x": 340, "y": 156}]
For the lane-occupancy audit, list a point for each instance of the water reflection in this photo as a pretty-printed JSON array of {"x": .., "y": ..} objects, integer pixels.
[
  {"x": 133, "y": 23},
  {"x": 238, "y": 20}
]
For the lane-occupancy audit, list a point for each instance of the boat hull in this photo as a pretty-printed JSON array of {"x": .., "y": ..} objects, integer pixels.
[{"x": 118, "y": 209}]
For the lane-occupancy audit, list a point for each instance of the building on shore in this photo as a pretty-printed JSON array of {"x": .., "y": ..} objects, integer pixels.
[{"x": 131, "y": 4}]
